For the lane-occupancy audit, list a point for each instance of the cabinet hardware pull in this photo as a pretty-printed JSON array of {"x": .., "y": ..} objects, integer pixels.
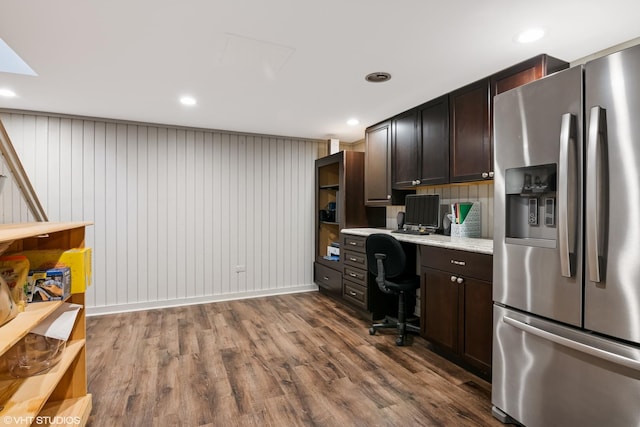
[
  {"x": 485, "y": 175},
  {"x": 353, "y": 259},
  {"x": 353, "y": 293},
  {"x": 491, "y": 174},
  {"x": 353, "y": 243},
  {"x": 353, "y": 275},
  {"x": 455, "y": 262},
  {"x": 453, "y": 278},
  {"x": 325, "y": 278},
  {"x": 388, "y": 196},
  {"x": 459, "y": 280}
]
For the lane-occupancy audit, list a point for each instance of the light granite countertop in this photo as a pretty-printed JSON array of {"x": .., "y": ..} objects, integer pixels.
[{"x": 482, "y": 246}]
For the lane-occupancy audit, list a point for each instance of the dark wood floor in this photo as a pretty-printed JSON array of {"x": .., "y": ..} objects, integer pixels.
[{"x": 289, "y": 360}]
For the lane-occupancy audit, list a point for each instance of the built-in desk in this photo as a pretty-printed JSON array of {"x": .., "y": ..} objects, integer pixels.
[
  {"x": 481, "y": 246},
  {"x": 455, "y": 303}
]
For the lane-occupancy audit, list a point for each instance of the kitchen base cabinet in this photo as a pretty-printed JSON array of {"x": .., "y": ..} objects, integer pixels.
[{"x": 457, "y": 306}]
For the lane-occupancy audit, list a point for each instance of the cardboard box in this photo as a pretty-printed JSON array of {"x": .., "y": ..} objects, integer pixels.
[
  {"x": 78, "y": 260},
  {"x": 49, "y": 285}
]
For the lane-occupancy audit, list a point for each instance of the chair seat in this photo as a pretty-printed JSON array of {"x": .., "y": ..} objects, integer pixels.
[{"x": 409, "y": 283}]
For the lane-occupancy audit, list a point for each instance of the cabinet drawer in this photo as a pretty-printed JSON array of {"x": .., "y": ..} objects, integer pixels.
[
  {"x": 355, "y": 293},
  {"x": 356, "y": 275},
  {"x": 327, "y": 278},
  {"x": 463, "y": 263},
  {"x": 354, "y": 243},
  {"x": 355, "y": 259}
]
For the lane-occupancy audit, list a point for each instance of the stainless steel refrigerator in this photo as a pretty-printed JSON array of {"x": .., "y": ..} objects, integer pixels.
[{"x": 566, "y": 280}]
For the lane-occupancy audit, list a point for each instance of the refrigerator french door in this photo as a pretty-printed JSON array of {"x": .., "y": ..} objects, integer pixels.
[{"x": 567, "y": 247}]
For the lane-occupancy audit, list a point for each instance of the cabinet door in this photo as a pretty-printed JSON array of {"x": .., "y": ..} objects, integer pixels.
[
  {"x": 433, "y": 120},
  {"x": 525, "y": 72},
  {"x": 470, "y": 148},
  {"x": 440, "y": 308},
  {"x": 478, "y": 323},
  {"x": 377, "y": 170},
  {"x": 404, "y": 150}
]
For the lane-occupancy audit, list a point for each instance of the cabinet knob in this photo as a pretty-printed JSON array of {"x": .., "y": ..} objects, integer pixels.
[
  {"x": 459, "y": 280},
  {"x": 417, "y": 182},
  {"x": 491, "y": 174},
  {"x": 453, "y": 278},
  {"x": 388, "y": 196},
  {"x": 485, "y": 175}
]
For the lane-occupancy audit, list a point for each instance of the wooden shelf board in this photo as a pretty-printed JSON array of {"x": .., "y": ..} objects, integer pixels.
[
  {"x": 28, "y": 395},
  {"x": 10, "y": 232},
  {"x": 55, "y": 412},
  {"x": 14, "y": 330}
]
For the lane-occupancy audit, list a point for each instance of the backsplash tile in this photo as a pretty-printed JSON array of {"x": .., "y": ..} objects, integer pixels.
[{"x": 476, "y": 192}]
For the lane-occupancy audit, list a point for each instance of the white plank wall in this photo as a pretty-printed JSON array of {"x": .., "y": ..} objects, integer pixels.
[{"x": 176, "y": 211}]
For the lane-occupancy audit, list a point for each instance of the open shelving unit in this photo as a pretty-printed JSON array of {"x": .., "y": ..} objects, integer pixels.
[
  {"x": 61, "y": 392},
  {"x": 339, "y": 181}
]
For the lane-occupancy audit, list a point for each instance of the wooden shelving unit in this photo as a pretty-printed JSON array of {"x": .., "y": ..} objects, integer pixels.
[{"x": 60, "y": 393}]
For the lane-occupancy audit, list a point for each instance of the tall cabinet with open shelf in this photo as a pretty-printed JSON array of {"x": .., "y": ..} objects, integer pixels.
[
  {"x": 59, "y": 394},
  {"x": 339, "y": 204}
]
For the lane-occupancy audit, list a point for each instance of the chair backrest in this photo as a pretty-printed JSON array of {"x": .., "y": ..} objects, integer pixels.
[{"x": 380, "y": 243}]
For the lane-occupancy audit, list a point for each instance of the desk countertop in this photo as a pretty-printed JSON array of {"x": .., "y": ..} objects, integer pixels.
[{"x": 482, "y": 246}]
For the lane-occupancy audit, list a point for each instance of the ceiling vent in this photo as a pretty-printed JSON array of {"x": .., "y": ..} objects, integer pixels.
[{"x": 378, "y": 77}]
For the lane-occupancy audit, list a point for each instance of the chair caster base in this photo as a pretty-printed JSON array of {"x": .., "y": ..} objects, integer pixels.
[
  {"x": 372, "y": 331},
  {"x": 400, "y": 341}
]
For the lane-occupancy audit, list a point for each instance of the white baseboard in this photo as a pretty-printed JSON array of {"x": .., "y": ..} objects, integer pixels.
[{"x": 124, "y": 308}]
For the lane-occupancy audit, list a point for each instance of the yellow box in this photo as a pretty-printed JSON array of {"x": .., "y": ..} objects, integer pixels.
[{"x": 78, "y": 261}]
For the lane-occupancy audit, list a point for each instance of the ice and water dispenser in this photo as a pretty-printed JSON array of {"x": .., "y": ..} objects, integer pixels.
[{"x": 531, "y": 205}]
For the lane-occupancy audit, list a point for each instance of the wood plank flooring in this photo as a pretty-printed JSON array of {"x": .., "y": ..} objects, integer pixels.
[{"x": 291, "y": 360}]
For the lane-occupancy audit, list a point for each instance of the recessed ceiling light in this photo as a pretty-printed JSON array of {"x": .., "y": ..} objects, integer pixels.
[
  {"x": 188, "y": 100},
  {"x": 353, "y": 122},
  {"x": 7, "y": 93},
  {"x": 378, "y": 77},
  {"x": 530, "y": 35}
]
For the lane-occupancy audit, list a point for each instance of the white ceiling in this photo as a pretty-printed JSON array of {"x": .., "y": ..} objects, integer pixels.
[{"x": 281, "y": 67}]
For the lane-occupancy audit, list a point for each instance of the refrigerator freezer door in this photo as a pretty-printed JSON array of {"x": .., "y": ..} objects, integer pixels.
[
  {"x": 612, "y": 217},
  {"x": 552, "y": 375},
  {"x": 540, "y": 124}
]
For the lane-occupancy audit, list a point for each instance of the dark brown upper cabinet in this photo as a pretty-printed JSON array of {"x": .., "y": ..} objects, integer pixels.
[
  {"x": 448, "y": 139},
  {"x": 470, "y": 142},
  {"x": 525, "y": 72},
  {"x": 471, "y": 115},
  {"x": 377, "y": 166},
  {"x": 420, "y": 145}
]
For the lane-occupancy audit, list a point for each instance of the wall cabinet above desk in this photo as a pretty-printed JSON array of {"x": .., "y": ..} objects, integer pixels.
[
  {"x": 420, "y": 145},
  {"x": 378, "y": 190},
  {"x": 447, "y": 139}
]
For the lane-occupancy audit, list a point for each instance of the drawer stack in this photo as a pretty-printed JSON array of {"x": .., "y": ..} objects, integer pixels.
[{"x": 355, "y": 275}]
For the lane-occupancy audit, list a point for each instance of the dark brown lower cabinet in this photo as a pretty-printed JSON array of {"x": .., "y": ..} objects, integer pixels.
[{"x": 457, "y": 306}]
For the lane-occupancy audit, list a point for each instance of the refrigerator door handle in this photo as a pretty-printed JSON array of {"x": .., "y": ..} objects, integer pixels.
[
  {"x": 595, "y": 143},
  {"x": 567, "y": 185},
  {"x": 575, "y": 345}
]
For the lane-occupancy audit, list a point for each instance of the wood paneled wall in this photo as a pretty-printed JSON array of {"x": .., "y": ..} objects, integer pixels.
[{"x": 180, "y": 215}]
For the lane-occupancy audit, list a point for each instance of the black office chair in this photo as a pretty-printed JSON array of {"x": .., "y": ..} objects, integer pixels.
[{"x": 387, "y": 260}]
